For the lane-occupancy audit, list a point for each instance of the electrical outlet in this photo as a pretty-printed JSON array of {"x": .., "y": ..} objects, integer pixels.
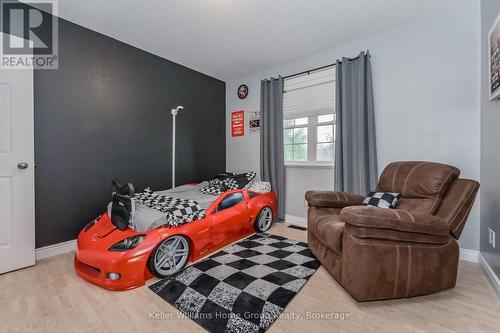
[{"x": 491, "y": 237}]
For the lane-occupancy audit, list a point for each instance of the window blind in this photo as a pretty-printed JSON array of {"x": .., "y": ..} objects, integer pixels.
[{"x": 309, "y": 95}]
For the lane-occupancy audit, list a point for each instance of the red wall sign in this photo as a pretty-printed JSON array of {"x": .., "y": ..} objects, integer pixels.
[{"x": 238, "y": 123}]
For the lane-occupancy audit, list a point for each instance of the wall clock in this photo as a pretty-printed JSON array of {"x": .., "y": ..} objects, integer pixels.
[{"x": 242, "y": 91}]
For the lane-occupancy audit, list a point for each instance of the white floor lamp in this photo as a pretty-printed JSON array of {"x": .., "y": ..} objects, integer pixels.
[{"x": 174, "y": 114}]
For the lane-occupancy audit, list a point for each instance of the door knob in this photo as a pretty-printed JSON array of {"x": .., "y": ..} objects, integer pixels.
[{"x": 22, "y": 165}]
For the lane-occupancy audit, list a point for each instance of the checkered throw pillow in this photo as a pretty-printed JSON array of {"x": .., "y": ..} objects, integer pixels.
[
  {"x": 214, "y": 187},
  {"x": 238, "y": 181},
  {"x": 382, "y": 199},
  {"x": 259, "y": 186}
]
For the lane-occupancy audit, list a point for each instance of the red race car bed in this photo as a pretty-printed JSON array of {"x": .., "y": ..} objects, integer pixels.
[{"x": 158, "y": 233}]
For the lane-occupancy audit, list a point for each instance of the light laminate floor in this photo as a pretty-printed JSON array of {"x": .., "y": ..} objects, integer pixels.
[{"x": 49, "y": 297}]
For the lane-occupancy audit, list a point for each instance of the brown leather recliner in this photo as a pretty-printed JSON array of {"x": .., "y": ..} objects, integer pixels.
[{"x": 379, "y": 253}]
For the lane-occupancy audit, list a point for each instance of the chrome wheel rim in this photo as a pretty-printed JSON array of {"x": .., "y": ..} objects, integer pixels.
[
  {"x": 265, "y": 219},
  {"x": 171, "y": 256}
]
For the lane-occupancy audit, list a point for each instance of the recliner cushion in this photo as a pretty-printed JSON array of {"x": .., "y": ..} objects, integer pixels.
[{"x": 327, "y": 227}]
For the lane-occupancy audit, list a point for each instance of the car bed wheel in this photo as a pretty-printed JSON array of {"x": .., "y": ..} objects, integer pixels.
[
  {"x": 169, "y": 257},
  {"x": 264, "y": 220}
]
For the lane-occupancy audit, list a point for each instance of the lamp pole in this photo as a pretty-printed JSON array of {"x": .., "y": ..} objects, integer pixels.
[{"x": 174, "y": 114}]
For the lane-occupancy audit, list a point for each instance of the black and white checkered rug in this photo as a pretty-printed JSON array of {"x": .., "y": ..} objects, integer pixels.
[{"x": 242, "y": 288}]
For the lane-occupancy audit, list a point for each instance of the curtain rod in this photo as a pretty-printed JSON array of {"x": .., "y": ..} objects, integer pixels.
[{"x": 316, "y": 69}]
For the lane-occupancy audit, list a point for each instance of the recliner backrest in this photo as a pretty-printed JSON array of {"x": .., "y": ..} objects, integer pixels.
[
  {"x": 422, "y": 185},
  {"x": 457, "y": 204}
]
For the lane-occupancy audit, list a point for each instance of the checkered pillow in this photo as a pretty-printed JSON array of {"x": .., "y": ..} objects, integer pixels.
[
  {"x": 238, "y": 181},
  {"x": 213, "y": 189},
  {"x": 382, "y": 199},
  {"x": 259, "y": 187}
]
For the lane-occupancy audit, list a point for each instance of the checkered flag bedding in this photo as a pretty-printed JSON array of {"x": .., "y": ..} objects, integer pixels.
[
  {"x": 177, "y": 211},
  {"x": 242, "y": 288}
]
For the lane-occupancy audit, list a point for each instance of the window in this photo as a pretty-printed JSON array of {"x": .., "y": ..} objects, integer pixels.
[
  {"x": 309, "y": 119},
  {"x": 230, "y": 201},
  {"x": 325, "y": 134},
  {"x": 295, "y": 131}
]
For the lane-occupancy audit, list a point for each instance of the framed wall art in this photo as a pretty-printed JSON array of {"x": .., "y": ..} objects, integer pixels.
[{"x": 494, "y": 59}]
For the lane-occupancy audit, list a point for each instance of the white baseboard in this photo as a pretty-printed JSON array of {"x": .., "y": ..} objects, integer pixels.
[
  {"x": 55, "y": 249},
  {"x": 469, "y": 255},
  {"x": 295, "y": 220},
  {"x": 490, "y": 275}
]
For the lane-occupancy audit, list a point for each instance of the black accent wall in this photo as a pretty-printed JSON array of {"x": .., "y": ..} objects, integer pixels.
[{"x": 104, "y": 114}]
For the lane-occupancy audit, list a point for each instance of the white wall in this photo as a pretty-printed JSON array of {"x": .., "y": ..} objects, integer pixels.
[
  {"x": 298, "y": 181},
  {"x": 426, "y": 87}
]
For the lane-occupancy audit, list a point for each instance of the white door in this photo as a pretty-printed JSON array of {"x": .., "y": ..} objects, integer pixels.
[{"x": 17, "y": 204}]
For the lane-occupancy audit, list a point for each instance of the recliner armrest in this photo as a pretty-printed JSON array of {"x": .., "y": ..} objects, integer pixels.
[
  {"x": 394, "y": 219},
  {"x": 333, "y": 199}
]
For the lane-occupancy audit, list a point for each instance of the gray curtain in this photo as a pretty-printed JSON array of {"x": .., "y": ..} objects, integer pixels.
[
  {"x": 272, "y": 159},
  {"x": 355, "y": 142}
]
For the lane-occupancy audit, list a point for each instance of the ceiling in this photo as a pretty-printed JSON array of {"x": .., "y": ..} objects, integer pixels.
[{"x": 229, "y": 39}]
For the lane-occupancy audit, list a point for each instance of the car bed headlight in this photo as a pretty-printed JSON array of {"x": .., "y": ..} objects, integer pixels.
[
  {"x": 91, "y": 224},
  {"x": 128, "y": 243}
]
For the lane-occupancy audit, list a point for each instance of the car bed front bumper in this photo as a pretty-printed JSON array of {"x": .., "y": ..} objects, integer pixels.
[
  {"x": 113, "y": 270},
  {"x": 96, "y": 267}
]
